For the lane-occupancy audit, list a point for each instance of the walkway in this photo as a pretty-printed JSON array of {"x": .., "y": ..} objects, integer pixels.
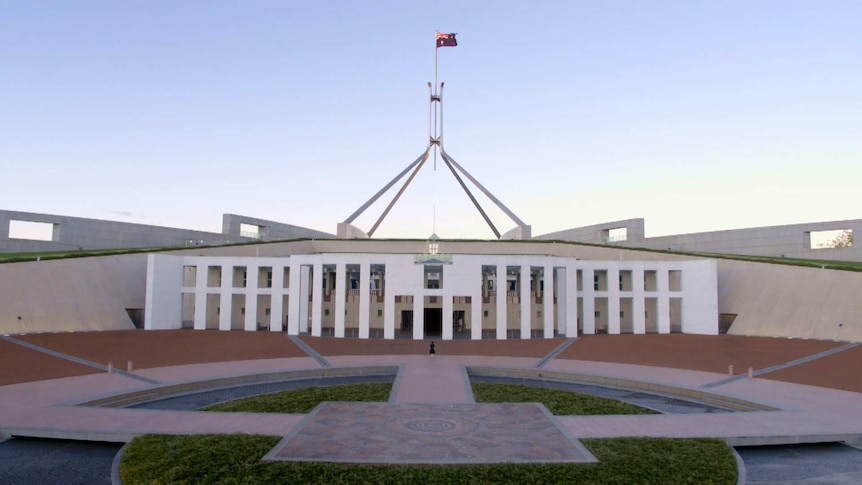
[{"x": 46, "y": 408}]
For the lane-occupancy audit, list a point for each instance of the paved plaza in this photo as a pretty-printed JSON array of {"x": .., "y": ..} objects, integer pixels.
[{"x": 44, "y": 377}]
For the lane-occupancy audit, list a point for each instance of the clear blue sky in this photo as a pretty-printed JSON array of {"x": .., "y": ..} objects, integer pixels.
[{"x": 694, "y": 115}]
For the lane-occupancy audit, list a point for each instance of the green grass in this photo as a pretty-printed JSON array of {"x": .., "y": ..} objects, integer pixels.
[
  {"x": 815, "y": 263},
  {"x": 558, "y": 402},
  {"x": 301, "y": 401},
  {"x": 235, "y": 459}
]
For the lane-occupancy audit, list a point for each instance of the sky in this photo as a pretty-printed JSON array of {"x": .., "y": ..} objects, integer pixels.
[{"x": 695, "y": 116}]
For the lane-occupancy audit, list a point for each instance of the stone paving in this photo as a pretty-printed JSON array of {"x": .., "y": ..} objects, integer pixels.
[
  {"x": 45, "y": 407},
  {"x": 430, "y": 433}
]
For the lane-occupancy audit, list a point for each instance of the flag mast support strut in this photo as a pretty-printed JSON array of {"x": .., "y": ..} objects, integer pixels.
[{"x": 346, "y": 229}]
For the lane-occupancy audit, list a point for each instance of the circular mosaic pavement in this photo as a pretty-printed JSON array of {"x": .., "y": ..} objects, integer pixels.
[{"x": 430, "y": 425}]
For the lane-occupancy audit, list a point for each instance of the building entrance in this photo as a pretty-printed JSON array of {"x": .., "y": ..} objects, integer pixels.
[{"x": 433, "y": 322}]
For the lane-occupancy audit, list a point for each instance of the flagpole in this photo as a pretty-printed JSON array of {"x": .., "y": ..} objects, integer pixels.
[{"x": 436, "y": 48}]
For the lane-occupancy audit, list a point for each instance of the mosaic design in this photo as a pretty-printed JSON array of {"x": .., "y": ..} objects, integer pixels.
[{"x": 422, "y": 433}]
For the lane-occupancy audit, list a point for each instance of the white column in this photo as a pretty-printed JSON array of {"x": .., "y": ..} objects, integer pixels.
[
  {"x": 614, "y": 300},
  {"x": 340, "y": 294},
  {"x": 638, "y": 303},
  {"x": 663, "y": 302},
  {"x": 276, "y": 301},
  {"x": 569, "y": 292},
  {"x": 548, "y": 300},
  {"x": 251, "y": 292},
  {"x": 388, "y": 313},
  {"x": 526, "y": 302},
  {"x": 294, "y": 300},
  {"x": 562, "y": 303},
  {"x": 202, "y": 272},
  {"x": 502, "y": 296},
  {"x": 317, "y": 300},
  {"x": 476, "y": 315},
  {"x": 364, "y": 298},
  {"x": 302, "y": 297},
  {"x": 225, "y": 300},
  {"x": 447, "y": 316},
  {"x": 589, "y": 299},
  {"x": 418, "y": 317}
]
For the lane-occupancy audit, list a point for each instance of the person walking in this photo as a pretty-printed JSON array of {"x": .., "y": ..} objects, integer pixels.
[{"x": 432, "y": 350}]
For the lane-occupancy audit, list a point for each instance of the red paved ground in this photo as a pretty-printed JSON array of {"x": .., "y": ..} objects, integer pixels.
[
  {"x": 842, "y": 370},
  {"x": 178, "y": 347},
  {"x": 168, "y": 347},
  {"x": 20, "y": 364},
  {"x": 711, "y": 353}
]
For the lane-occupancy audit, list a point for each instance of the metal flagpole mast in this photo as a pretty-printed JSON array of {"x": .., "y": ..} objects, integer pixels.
[
  {"x": 435, "y": 143},
  {"x": 434, "y": 95}
]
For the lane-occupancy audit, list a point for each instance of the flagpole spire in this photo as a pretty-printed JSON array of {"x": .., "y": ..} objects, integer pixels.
[{"x": 346, "y": 229}]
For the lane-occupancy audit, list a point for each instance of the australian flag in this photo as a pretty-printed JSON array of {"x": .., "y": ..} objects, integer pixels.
[{"x": 446, "y": 40}]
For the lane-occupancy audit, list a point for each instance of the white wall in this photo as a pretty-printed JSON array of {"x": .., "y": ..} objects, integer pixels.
[{"x": 164, "y": 292}]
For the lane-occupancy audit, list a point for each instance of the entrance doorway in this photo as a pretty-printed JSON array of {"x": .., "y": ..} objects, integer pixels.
[
  {"x": 433, "y": 322},
  {"x": 406, "y": 320}
]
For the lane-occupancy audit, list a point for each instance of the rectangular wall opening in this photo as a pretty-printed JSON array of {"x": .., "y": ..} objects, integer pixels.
[
  {"x": 601, "y": 314},
  {"x": 626, "y": 315},
  {"x": 600, "y": 280},
  {"x": 252, "y": 231},
  {"x": 264, "y": 310},
  {"x": 33, "y": 231},
  {"x": 834, "y": 238},
  {"x": 618, "y": 234},
  {"x": 213, "y": 310},
  {"x": 675, "y": 315},
  {"x": 190, "y": 276},
  {"x": 674, "y": 280},
  {"x": 651, "y": 315},
  {"x": 214, "y": 277},
  {"x": 188, "y": 311},
  {"x": 237, "y": 311},
  {"x": 626, "y": 280},
  {"x": 240, "y": 277},
  {"x": 650, "y": 280}
]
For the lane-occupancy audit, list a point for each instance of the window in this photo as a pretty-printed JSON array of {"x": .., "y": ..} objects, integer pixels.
[
  {"x": 598, "y": 314},
  {"x": 267, "y": 312},
  {"x": 596, "y": 282},
  {"x": 326, "y": 311},
  {"x": 242, "y": 311},
  {"x": 379, "y": 312},
  {"x": 269, "y": 279},
  {"x": 486, "y": 313}
]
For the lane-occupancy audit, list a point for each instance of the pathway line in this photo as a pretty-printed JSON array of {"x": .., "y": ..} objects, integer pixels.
[
  {"x": 554, "y": 353},
  {"x": 77, "y": 360},
  {"x": 308, "y": 350},
  {"x": 785, "y": 365}
]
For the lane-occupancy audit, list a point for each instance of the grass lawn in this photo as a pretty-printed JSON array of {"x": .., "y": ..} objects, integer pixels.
[
  {"x": 558, "y": 402},
  {"x": 204, "y": 459},
  {"x": 236, "y": 458},
  {"x": 301, "y": 401}
]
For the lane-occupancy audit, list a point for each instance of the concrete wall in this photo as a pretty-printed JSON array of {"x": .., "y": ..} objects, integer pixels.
[
  {"x": 791, "y": 241},
  {"x": 72, "y": 233},
  {"x": 71, "y": 294},
  {"x": 789, "y": 301},
  {"x": 598, "y": 233},
  {"x": 272, "y": 231}
]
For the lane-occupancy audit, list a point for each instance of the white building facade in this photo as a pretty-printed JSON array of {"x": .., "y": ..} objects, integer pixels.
[{"x": 459, "y": 296}]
